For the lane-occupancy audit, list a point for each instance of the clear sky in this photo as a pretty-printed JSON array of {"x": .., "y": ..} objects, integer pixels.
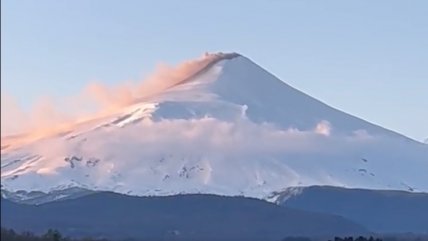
[{"x": 368, "y": 58}]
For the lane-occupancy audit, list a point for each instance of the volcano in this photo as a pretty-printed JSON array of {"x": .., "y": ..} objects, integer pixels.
[{"x": 229, "y": 128}]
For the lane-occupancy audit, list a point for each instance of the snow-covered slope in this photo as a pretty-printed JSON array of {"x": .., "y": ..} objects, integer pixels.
[{"x": 230, "y": 128}]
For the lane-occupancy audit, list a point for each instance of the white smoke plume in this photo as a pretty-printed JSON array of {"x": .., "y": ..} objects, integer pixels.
[{"x": 46, "y": 117}]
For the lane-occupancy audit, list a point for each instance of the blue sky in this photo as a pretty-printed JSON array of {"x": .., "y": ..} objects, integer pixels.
[{"x": 368, "y": 58}]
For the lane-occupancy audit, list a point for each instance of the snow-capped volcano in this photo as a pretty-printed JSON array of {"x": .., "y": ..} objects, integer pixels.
[{"x": 229, "y": 128}]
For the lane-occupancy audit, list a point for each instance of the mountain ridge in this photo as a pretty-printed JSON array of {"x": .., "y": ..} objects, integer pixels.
[
  {"x": 379, "y": 210},
  {"x": 179, "y": 217}
]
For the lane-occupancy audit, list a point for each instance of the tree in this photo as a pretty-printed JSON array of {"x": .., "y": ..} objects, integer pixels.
[{"x": 53, "y": 235}]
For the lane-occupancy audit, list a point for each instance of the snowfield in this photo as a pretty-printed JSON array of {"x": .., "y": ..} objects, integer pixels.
[{"x": 231, "y": 128}]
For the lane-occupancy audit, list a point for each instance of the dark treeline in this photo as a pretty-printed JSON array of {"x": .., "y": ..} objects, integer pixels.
[
  {"x": 402, "y": 237},
  {"x": 357, "y": 239},
  {"x": 335, "y": 239},
  {"x": 53, "y": 235},
  {"x": 50, "y": 235}
]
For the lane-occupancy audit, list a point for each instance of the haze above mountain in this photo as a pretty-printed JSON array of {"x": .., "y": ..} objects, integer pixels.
[{"x": 227, "y": 127}]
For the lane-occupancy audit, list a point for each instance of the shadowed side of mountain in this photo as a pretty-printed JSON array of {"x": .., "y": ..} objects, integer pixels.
[
  {"x": 379, "y": 210},
  {"x": 181, "y": 217},
  {"x": 270, "y": 99}
]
